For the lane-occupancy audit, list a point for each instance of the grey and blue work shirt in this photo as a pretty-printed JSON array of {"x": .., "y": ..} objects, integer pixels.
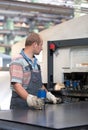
[{"x": 20, "y": 71}]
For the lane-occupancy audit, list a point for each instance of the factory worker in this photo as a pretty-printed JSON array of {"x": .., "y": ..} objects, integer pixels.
[{"x": 25, "y": 75}]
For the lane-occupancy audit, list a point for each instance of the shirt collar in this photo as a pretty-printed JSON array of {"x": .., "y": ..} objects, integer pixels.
[{"x": 27, "y": 58}]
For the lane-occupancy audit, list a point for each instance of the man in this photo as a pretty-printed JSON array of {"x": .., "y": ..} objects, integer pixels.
[{"x": 25, "y": 76}]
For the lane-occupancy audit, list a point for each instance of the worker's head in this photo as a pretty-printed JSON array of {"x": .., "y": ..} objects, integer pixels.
[{"x": 34, "y": 41}]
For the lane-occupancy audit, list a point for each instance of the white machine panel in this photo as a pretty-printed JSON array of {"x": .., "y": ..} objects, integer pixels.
[{"x": 79, "y": 57}]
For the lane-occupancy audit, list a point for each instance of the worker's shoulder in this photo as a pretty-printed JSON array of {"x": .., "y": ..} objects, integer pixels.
[{"x": 18, "y": 59}]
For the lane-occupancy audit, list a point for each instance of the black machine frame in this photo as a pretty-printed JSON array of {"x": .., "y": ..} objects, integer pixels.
[{"x": 52, "y": 46}]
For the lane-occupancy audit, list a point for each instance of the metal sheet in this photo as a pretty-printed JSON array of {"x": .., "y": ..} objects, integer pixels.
[{"x": 59, "y": 116}]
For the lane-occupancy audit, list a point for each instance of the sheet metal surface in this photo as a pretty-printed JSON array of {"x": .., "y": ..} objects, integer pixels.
[{"x": 53, "y": 116}]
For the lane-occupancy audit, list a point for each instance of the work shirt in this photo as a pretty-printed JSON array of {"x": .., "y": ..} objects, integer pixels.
[{"x": 20, "y": 71}]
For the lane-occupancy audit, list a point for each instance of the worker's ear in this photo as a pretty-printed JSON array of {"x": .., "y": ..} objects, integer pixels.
[{"x": 35, "y": 44}]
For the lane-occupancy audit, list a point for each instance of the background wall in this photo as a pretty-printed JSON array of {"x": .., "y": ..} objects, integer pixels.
[{"x": 5, "y": 91}]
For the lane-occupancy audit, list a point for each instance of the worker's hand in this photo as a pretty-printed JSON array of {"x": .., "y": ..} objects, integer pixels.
[
  {"x": 52, "y": 98},
  {"x": 35, "y": 102}
]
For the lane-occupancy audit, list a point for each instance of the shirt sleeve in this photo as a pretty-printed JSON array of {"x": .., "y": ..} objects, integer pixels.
[{"x": 16, "y": 73}]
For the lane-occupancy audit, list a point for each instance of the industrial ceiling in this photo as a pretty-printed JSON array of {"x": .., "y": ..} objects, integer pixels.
[
  {"x": 29, "y": 15},
  {"x": 33, "y": 10}
]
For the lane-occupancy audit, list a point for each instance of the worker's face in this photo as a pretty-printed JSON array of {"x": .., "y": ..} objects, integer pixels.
[{"x": 38, "y": 48}]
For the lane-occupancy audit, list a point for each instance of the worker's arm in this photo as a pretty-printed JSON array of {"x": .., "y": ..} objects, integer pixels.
[
  {"x": 43, "y": 87},
  {"x": 20, "y": 91}
]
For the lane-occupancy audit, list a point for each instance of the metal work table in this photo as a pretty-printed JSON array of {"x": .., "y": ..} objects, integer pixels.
[{"x": 72, "y": 116}]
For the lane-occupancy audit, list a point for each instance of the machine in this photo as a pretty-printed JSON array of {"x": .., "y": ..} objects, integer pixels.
[{"x": 71, "y": 68}]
